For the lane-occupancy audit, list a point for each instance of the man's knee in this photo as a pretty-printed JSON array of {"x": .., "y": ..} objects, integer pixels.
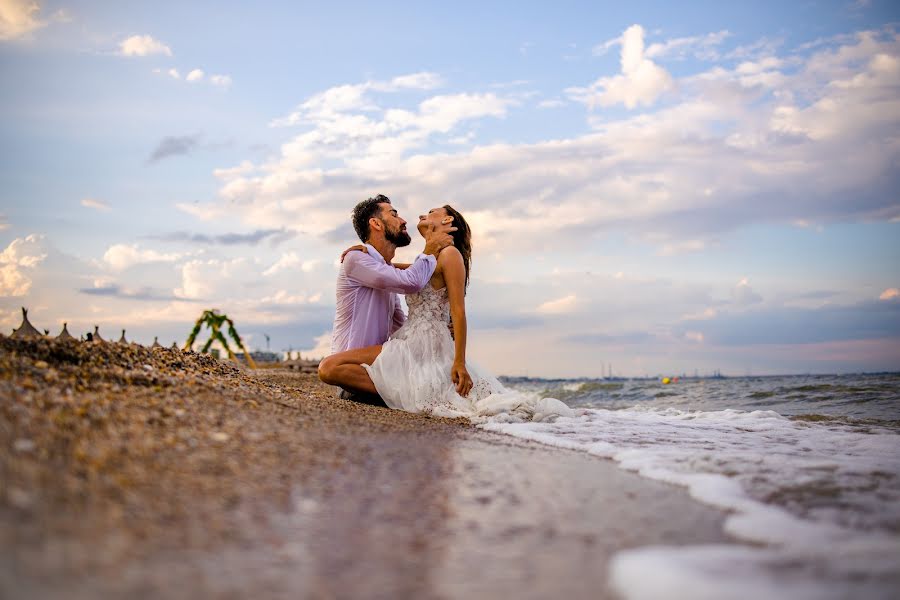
[{"x": 326, "y": 370}]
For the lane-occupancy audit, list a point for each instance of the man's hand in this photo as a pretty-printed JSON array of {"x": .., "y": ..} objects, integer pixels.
[
  {"x": 438, "y": 237},
  {"x": 460, "y": 376},
  {"x": 359, "y": 247}
]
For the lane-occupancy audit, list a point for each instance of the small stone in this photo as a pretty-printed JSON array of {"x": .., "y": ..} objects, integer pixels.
[
  {"x": 23, "y": 445},
  {"x": 148, "y": 367},
  {"x": 18, "y": 498},
  {"x": 40, "y": 364},
  {"x": 219, "y": 436}
]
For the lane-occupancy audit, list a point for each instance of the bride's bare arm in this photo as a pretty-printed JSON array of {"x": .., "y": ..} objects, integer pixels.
[
  {"x": 402, "y": 265},
  {"x": 454, "y": 272}
]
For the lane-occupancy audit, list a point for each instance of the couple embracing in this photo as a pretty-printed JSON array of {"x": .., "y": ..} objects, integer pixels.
[{"x": 416, "y": 363}]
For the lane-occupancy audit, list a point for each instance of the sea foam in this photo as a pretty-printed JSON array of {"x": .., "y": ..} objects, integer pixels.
[{"x": 823, "y": 499}]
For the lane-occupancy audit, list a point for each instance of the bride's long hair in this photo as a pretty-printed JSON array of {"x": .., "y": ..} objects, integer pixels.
[{"x": 462, "y": 237}]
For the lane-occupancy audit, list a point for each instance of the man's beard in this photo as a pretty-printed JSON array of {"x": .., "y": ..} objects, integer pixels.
[{"x": 398, "y": 238}]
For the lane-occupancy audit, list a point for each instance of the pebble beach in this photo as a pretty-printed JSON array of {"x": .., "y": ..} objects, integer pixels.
[{"x": 134, "y": 472}]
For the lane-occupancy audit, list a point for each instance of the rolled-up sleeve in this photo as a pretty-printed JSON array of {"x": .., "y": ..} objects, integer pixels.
[{"x": 373, "y": 272}]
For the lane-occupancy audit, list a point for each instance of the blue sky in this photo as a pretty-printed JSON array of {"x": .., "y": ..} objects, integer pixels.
[{"x": 666, "y": 188}]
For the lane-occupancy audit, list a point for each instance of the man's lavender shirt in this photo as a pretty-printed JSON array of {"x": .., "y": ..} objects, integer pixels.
[{"x": 368, "y": 308}]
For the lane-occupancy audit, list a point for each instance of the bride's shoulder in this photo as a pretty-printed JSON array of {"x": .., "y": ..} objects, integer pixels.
[{"x": 449, "y": 253}]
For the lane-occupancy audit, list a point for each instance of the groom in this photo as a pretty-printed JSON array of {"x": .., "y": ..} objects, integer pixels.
[{"x": 368, "y": 307}]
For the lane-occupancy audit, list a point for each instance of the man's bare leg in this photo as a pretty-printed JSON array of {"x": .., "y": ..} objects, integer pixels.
[{"x": 344, "y": 369}]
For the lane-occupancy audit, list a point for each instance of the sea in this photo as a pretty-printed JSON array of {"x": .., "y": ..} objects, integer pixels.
[{"x": 806, "y": 467}]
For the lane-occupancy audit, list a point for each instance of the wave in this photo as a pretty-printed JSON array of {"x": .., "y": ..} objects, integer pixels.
[{"x": 816, "y": 491}]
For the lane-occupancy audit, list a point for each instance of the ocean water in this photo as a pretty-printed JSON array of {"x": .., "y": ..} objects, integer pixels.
[{"x": 807, "y": 468}]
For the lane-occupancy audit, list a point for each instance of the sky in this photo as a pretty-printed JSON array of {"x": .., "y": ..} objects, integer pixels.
[{"x": 654, "y": 188}]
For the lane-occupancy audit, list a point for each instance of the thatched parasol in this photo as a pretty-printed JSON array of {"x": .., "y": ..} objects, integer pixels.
[
  {"x": 64, "y": 334},
  {"x": 156, "y": 343},
  {"x": 122, "y": 339},
  {"x": 96, "y": 338},
  {"x": 26, "y": 329}
]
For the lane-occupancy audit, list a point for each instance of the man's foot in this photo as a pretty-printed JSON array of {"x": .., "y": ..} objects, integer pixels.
[{"x": 362, "y": 398}]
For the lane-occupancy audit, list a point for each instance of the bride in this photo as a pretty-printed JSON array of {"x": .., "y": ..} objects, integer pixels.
[{"x": 422, "y": 368}]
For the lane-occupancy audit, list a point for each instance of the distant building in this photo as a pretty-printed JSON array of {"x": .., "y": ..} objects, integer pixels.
[{"x": 260, "y": 356}]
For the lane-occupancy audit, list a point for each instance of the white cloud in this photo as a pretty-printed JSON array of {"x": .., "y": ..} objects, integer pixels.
[
  {"x": 321, "y": 349},
  {"x": 552, "y": 103},
  {"x": 682, "y": 247},
  {"x": 194, "y": 75},
  {"x": 604, "y": 47},
  {"x": 21, "y": 256},
  {"x": 350, "y": 97},
  {"x": 18, "y": 18},
  {"x": 123, "y": 256},
  {"x": 143, "y": 45},
  {"x": 726, "y": 155},
  {"x": 694, "y": 336},
  {"x": 641, "y": 82},
  {"x": 562, "y": 305},
  {"x": 743, "y": 294},
  {"x": 95, "y": 204},
  {"x": 174, "y": 74},
  {"x": 220, "y": 80},
  {"x": 415, "y": 81},
  {"x": 291, "y": 261},
  {"x": 889, "y": 294},
  {"x": 701, "y": 46}
]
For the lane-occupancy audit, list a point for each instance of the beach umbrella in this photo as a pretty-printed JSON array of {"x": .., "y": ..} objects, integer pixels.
[
  {"x": 64, "y": 334},
  {"x": 96, "y": 337},
  {"x": 156, "y": 343},
  {"x": 26, "y": 329},
  {"x": 122, "y": 339}
]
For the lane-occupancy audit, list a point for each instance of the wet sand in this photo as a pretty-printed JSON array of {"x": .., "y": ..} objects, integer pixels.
[{"x": 127, "y": 472}]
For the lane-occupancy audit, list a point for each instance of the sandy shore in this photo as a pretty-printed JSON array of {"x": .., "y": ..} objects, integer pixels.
[{"x": 127, "y": 472}]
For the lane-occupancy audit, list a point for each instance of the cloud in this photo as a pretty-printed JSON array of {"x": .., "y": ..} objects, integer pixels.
[
  {"x": 174, "y": 146},
  {"x": 194, "y": 75},
  {"x": 552, "y": 103},
  {"x": 291, "y": 261},
  {"x": 682, "y": 247},
  {"x": 889, "y": 294},
  {"x": 143, "y": 45},
  {"x": 616, "y": 339},
  {"x": 344, "y": 98},
  {"x": 113, "y": 290},
  {"x": 17, "y": 259},
  {"x": 220, "y": 80},
  {"x": 18, "y": 18},
  {"x": 95, "y": 204},
  {"x": 321, "y": 349},
  {"x": 702, "y": 47},
  {"x": 722, "y": 158},
  {"x": 558, "y": 306},
  {"x": 641, "y": 82},
  {"x": 790, "y": 325},
  {"x": 274, "y": 236},
  {"x": 123, "y": 256},
  {"x": 726, "y": 155},
  {"x": 743, "y": 294}
]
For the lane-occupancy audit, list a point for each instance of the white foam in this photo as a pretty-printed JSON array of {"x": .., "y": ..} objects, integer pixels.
[{"x": 837, "y": 490}]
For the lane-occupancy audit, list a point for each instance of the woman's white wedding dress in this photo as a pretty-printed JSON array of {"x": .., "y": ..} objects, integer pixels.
[{"x": 412, "y": 373}]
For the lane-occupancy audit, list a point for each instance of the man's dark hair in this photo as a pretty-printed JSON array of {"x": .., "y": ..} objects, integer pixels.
[{"x": 364, "y": 211}]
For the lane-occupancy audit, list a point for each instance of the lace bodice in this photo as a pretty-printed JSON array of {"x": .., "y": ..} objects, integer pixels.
[{"x": 429, "y": 310}]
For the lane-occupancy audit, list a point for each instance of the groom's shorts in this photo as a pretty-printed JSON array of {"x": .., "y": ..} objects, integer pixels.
[{"x": 362, "y": 398}]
